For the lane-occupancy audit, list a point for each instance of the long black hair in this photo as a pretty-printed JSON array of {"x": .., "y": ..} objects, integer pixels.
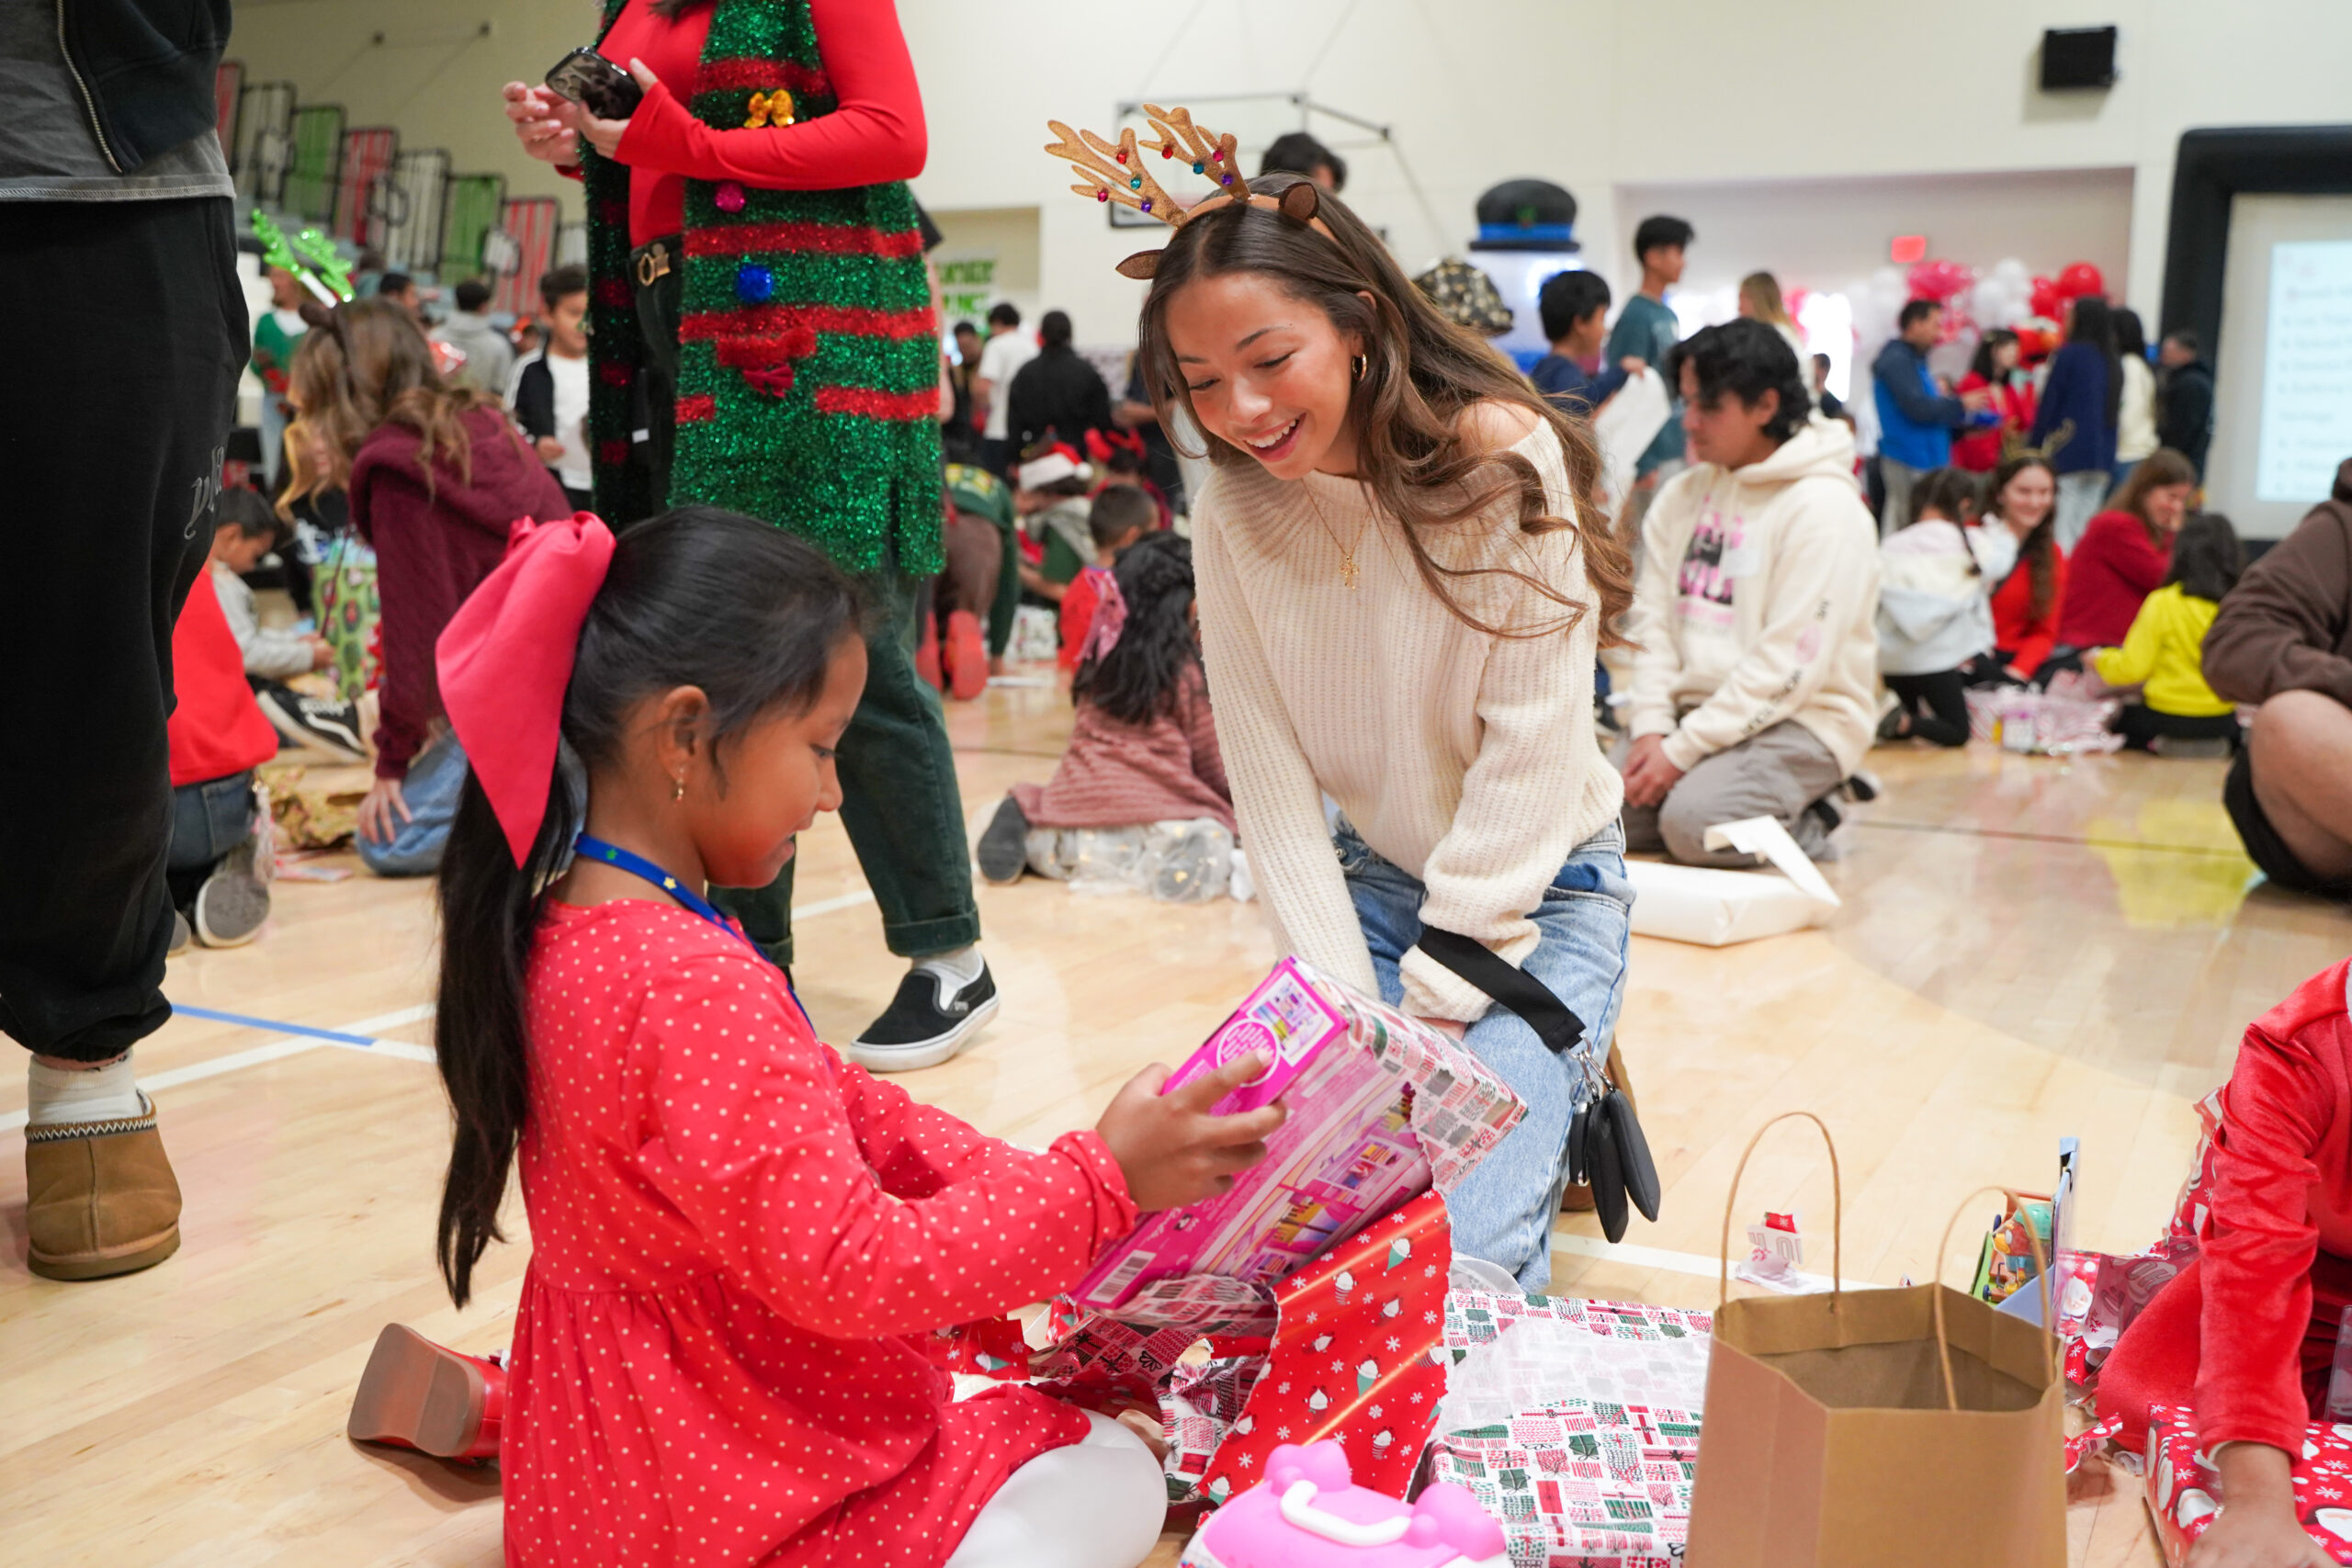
[
  {"x": 1987, "y": 347},
  {"x": 695, "y": 597},
  {"x": 1137, "y": 681},
  {"x": 2094, "y": 323},
  {"x": 2206, "y": 558}
]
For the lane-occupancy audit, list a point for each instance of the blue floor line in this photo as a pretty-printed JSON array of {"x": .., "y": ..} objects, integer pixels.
[{"x": 274, "y": 1025}]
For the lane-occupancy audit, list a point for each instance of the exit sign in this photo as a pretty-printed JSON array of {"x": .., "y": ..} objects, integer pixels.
[{"x": 1907, "y": 249}]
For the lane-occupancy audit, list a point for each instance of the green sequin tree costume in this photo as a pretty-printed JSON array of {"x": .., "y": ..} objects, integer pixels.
[{"x": 808, "y": 391}]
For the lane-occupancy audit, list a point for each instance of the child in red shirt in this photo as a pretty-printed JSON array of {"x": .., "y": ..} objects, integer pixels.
[
  {"x": 740, "y": 1241},
  {"x": 2245, "y": 1335},
  {"x": 1118, "y": 517}
]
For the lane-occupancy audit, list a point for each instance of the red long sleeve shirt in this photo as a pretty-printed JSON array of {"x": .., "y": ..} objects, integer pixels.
[
  {"x": 2281, "y": 1193},
  {"x": 2027, "y": 638},
  {"x": 876, "y": 134},
  {"x": 2114, "y": 567}
]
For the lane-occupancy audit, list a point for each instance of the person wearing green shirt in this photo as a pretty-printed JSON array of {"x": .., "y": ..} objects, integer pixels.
[{"x": 1646, "y": 330}]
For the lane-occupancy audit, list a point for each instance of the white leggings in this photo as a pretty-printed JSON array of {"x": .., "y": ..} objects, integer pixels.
[{"x": 1095, "y": 1504}]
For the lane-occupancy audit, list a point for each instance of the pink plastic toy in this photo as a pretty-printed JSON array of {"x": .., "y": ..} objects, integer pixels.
[{"x": 1306, "y": 1515}]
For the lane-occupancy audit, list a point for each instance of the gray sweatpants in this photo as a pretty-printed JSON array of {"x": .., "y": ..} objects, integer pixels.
[
  {"x": 1777, "y": 772},
  {"x": 1898, "y": 478}
]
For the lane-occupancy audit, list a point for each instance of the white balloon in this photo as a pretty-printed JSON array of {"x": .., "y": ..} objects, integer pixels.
[{"x": 2013, "y": 272}]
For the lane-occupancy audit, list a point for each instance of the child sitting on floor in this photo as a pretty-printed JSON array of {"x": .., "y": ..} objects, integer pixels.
[
  {"x": 1115, "y": 518},
  {"x": 1935, "y": 609},
  {"x": 2177, "y": 713},
  {"x": 741, "y": 1245},
  {"x": 273, "y": 654},
  {"x": 1052, "y": 501},
  {"x": 220, "y": 890},
  {"x": 2245, "y": 1335},
  {"x": 1143, "y": 752}
]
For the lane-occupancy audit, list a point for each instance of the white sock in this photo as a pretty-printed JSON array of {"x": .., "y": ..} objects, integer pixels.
[
  {"x": 56, "y": 1096},
  {"x": 963, "y": 965}
]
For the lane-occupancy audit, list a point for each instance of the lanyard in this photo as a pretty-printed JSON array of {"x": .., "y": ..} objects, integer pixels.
[{"x": 637, "y": 865}]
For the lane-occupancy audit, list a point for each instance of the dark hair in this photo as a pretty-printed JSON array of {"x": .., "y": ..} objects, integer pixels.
[
  {"x": 695, "y": 597},
  {"x": 1118, "y": 511},
  {"x": 1658, "y": 232},
  {"x": 1982, "y": 364},
  {"x": 1004, "y": 313},
  {"x": 1422, "y": 376},
  {"x": 1053, "y": 330},
  {"x": 247, "y": 511},
  {"x": 472, "y": 295},
  {"x": 2188, "y": 338},
  {"x": 1822, "y": 360},
  {"x": 1916, "y": 311},
  {"x": 561, "y": 283},
  {"x": 2038, "y": 551},
  {"x": 1137, "y": 681},
  {"x": 1746, "y": 359},
  {"x": 394, "y": 283},
  {"x": 1297, "y": 153},
  {"x": 1951, "y": 494},
  {"x": 961, "y": 328},
  {"x": 2130, "y": 337},
  {"x": 2206, "y": 559},
  {"x": 2160, "y": 467},
  {"x": 1568, "y": 297},
  {"x": 2094, "y": 323}
]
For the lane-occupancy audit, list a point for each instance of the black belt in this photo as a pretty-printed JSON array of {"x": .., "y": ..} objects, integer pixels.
[
  {"x": 1606, "y": 1145},
  {"x": 655, "y": 259}
]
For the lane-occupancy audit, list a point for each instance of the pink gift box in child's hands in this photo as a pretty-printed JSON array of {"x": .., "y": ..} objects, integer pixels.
[{"x": 1381, "y": 1106}]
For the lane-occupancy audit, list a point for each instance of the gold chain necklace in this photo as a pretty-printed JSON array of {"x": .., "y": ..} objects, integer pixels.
[{"x": 1349, "y": 571}]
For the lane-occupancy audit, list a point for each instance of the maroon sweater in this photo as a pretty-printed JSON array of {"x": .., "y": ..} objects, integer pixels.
[
  {"x": 2113, "y": 568},
  {"x": 432, "y": 549}
]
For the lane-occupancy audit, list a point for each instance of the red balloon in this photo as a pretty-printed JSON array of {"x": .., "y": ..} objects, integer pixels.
[
  {"x": 2045, "y": 300},
  {"x": 1939, "y": 279},
  {"x": 2078, "y": 279}
]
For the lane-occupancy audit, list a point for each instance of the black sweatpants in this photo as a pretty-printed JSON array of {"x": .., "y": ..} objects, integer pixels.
[
  {"x": 1938, "y": 704},
  {"x": 2140, "y": 724},
  {"x": 127, "y": 332}
]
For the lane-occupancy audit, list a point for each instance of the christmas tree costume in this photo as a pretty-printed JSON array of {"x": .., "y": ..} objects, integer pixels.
[{"x": 789, "y": 354}]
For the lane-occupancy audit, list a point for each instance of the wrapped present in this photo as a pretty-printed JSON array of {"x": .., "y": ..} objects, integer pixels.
[
  {"x": 1512, "y": 1354},
  {"x": 1583, "y": 1482},
  {"x": 2185, "y": 1489},
  {"x": 1204, "y": 1400},
  {"x": 1359, "y": 1357},
  {"x": 992, "y": 1348},
  {"x": 1380, "y": 1108},
  {"x": 314, "y": 808},
  {"x": 2098, "y": 1297}
]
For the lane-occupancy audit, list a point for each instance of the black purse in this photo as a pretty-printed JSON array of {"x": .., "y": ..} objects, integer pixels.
[{"x": 1606, "y": 1145}]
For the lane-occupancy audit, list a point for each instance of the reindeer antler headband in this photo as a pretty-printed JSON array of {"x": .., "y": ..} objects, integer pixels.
[{"x": 1120, "y": 173}]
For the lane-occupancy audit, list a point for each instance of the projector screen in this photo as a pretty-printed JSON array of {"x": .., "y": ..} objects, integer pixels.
[{"x": 2283, "y": 392}]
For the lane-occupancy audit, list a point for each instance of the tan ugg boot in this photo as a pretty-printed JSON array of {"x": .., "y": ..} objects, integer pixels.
[{"x": 100, "y": 1197}]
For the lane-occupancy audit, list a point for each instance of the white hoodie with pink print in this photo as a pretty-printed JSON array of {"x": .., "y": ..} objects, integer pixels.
[{"x": 1756, "y": 602}]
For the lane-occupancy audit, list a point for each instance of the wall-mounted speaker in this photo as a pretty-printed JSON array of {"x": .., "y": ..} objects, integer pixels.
[{"x": 2077, "y": 57}]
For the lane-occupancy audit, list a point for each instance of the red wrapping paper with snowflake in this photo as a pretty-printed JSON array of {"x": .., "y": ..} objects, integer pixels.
[
  {"x": 1359, "y": 1357},
  {"x": 2185, "y": 1490}
]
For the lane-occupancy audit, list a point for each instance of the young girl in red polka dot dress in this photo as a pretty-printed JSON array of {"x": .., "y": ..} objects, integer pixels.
[{"x": 734, "y": 1232}]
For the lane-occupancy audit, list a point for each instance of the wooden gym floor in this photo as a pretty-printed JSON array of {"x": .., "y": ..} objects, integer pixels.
[{"x": 2028, "y": 948}]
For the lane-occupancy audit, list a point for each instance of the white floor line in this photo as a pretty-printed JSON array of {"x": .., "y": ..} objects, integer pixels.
[
  {"x": 1672, "y": 1262},
  {"x": 287, "y": 1046}
]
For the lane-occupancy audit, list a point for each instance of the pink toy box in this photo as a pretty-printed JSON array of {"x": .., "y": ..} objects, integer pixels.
[
  {"x": 1306, "y": 1515},
  {"x": 1381, "y": 1106}
]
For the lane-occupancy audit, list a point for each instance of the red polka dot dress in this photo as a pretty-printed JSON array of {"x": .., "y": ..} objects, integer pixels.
[{"x": 733, "y": 1232}]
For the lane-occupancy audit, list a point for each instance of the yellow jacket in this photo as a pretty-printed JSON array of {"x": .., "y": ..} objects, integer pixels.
[{"x": 2162, "y": 649}]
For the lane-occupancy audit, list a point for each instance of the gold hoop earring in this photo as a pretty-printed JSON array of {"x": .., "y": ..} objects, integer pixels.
[
  {"x": 678, "y": 793},
  {"x": 1361, "y": 363}
]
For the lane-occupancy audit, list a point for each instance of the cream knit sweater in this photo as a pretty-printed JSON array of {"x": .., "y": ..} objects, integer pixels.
[{"x": 1466, "y": 758}]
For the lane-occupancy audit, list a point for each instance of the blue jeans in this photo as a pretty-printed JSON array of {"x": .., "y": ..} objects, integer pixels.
[
  {"x": 1503, "y": 1212},
  {"x": 209, "y": 819},
  {"x": 435, "y": 776}
]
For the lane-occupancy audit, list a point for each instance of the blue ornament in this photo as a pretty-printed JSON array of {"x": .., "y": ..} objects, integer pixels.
[
  {"x": 754, "y": 284},
  {"x": 1135, "y": 184},
  {"x": 1199, "y": 169}
]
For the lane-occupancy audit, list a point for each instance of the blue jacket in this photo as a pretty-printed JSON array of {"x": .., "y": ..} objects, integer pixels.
[
  {"x": 1564, "y": 381},
  {"x": 1914, "y": 420},
  {"x": 2076, "y": 392}
]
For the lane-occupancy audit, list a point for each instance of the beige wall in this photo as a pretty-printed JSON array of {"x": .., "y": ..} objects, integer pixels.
[{"x": 1594, "y": 93}]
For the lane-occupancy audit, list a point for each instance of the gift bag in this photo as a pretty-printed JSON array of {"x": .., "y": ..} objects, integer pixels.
[{"x": 1858, "y": 1430}]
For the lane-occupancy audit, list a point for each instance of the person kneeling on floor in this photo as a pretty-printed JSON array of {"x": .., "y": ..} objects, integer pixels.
[
  {"x": 2283, "y": 639},
  {"x": 1934, "y": 608},
  {"x": 1754, "y": 685},
  {"x": 1143, "y": 751},
  {"x": 2178, "y": 715},
  {"x": 2245, "y": 1335},
  {"x": 218, "y": 738}
]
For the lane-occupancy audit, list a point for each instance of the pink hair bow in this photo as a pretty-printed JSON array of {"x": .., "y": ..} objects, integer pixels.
[
  {"x": 505, "y": 660},
  {"x": 1110, "y": 620}
]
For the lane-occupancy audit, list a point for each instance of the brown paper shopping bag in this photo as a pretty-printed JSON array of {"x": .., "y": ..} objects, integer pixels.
[{"x": 1915, "y": 1426}]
